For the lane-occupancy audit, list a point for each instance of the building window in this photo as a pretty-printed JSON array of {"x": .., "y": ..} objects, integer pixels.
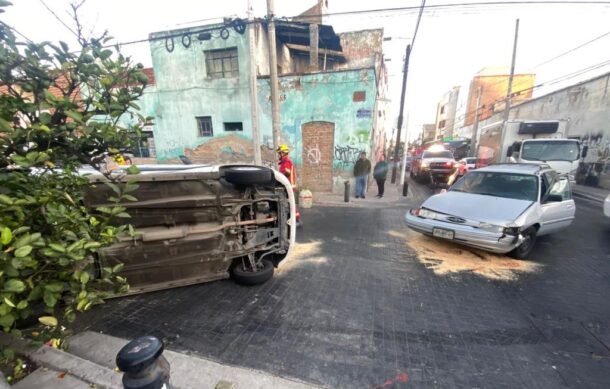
[
  {"x": 222, "y": 63},
  {"x": 441, "y": 124},
  {"x": 359, "y": 96},
  {"x": 204, "y": 125},
  {"x": 233, "y": 126},
  {"x": 443, "y": 109}
]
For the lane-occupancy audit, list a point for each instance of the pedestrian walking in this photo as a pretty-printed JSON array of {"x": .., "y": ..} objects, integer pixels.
[
  {"x": 286, "y": 167},
  {"x": 380, "y": 173},
  {"x": 362, "y": 168}
]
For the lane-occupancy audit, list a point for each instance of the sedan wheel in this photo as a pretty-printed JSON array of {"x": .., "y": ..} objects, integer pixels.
[{"x": 529, "y": 239}]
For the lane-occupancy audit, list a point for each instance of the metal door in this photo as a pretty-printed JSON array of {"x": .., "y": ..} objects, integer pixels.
[{"x": 557, "y": 215}]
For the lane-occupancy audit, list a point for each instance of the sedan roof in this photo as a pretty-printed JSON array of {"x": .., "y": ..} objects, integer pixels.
[{"x": 522, "y": 168}]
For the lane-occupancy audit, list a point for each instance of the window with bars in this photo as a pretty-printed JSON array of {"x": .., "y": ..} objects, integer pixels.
[
  {"x": 222, "y": 63},
  {"x": 233, "y": 126},
  {"x": 204, "y": 126}
]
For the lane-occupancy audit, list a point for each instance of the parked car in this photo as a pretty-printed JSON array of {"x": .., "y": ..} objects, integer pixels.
[
  {"x": 466, "y": 164},
  {"x": 500, "y": 208},
  {"x": 436, "y": 165},
  {"x": 199, "y": 223},
  {"x": 607, "y": 206}
]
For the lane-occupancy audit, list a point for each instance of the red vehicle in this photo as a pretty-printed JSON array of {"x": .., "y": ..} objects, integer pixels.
[{"x": 435, "y": 165}]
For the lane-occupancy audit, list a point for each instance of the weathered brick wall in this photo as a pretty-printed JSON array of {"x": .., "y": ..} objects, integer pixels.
[{"x": 317, "y": 170}]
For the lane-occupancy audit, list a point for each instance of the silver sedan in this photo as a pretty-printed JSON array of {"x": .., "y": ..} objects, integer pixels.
[{"x": 501, "y": 208}]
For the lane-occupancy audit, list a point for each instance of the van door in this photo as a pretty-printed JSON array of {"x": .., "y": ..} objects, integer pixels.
[{"x": 558, "y": 207}]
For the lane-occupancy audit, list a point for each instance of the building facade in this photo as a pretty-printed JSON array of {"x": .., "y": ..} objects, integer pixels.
[
  {"x": 445, "y": 114},
  {"x": 493, "y": 84},
  {"x": 333, "y": 97},
  {"x": 585, "y": 107}
]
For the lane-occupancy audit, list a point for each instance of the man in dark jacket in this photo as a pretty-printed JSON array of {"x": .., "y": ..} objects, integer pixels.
[
  {"x": 362, "y": 168},
  {"x": 380, "y": 174}
]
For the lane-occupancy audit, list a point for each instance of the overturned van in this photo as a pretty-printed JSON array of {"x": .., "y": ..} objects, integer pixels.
[{"x": 199, "y": 223}]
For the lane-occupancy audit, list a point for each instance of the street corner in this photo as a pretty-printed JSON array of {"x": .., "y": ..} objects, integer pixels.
[
  {"x": 302, "y": 255},
  {"x": 445, "y": 258}
]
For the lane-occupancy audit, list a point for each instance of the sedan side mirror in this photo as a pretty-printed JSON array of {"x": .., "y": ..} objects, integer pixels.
[
  {"x": 553, "y": 198},
  {"x": 584, "y": 152}
]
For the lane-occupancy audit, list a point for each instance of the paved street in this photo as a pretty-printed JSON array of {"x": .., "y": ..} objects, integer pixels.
[{"x": 365, "y": 303}]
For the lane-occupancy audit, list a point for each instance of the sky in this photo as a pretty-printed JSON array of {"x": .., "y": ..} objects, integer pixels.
[{"x": 452, "y": 44}]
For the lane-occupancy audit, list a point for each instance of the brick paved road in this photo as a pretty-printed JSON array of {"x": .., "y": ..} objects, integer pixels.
[{"x": 356, "y": 308}]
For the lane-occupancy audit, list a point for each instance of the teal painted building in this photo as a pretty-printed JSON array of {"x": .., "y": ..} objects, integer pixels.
[{"x": 201, "y": 106}]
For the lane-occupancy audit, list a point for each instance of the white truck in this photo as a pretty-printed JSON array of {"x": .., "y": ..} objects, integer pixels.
[{"x": 530, "y": 141}]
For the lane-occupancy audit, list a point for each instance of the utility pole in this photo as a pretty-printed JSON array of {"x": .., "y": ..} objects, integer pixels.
[
  {"x": 475, "y": 126},
  {"x": 275, "y": 102},
  {"x": 253, "y": 87},
  {"x": 404, "y": 153},
  {"x": 405, "y": 72},
  {"x": 510, "y": 86}
]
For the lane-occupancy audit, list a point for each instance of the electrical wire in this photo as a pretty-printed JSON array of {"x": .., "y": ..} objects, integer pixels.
[
  {"x": 454, "y": 5},
  {"x": 421, "y": 11},
  {"x": 572, "y": 50}
]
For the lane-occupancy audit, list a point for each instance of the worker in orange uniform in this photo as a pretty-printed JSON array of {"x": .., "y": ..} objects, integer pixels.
[{"x": 287, "y": 168}]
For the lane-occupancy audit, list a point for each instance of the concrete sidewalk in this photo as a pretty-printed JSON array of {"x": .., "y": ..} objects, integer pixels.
[
  {"x": 392, "y": 195},
  {"x": 590, "y": 193},
  {"x": 90, "y": 362}
]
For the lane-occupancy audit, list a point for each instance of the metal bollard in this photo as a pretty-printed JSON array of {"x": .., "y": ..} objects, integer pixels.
[
  {"x": 143, "y": 364},
  {"x": 405, "y": 189},
  {"x": 346, "y": 193}
]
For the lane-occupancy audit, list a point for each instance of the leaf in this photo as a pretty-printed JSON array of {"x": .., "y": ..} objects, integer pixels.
[
  {"x": 129, "y": 197},
  {"x": 133, "y": 169},
  {"x": 55, "y": 287},
  {"x": 115, "y": 188},
  {"x": 123, "y": 215},
  {"x": 7, "y": 320},
  {"x": 23, "y": 304},
  {"x": 84, "y": 278},
  {"x": 75, "y": 116},
  {"x": 9, "y": 302},
  {"x": 57, "y": 247},
  {"x": 14, "y": 285},
  {"x": 4, "y": 199},
  {"x": 23, "y": 251},
  {"x": 92, "y": 245},
  {"x": 49, "y": 299},
  {"x": 50, "y": 321},
  {"x": 118, "y": 268},
  {"x": 6, "y": 236}
]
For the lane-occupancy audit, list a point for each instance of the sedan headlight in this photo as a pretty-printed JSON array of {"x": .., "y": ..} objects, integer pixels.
[
  {"x": 424, "y": 165},
  {"x": 511, "y": 231},
  {"x": 424, "y": 213},
  {"x": 491, "y": 227}
]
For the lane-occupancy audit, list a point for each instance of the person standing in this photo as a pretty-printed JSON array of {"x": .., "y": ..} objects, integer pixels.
[
  {"x": 362, "y": 168},
  {"x": 380, "y": 173},
  {"x": 286, "y": 167}
]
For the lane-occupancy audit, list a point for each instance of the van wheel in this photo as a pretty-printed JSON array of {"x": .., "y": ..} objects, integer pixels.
[
  {"x": 248, "y": 175},
  {"x": 526, "y": 247},
  {"x": 248, "y": 277}
]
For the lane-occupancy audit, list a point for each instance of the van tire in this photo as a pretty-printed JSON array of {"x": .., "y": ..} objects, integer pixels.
[
  {"x": 248, "y": 175},
  {"x": 527, "y": 246},
  {"x": 248, "y": 277}
]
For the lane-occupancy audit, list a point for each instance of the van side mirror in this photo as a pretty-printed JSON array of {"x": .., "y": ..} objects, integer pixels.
[
  {"x": 516, "y": 146},
  {"x": 584, "y": 152},
  {"x": 509, "y": 151}
]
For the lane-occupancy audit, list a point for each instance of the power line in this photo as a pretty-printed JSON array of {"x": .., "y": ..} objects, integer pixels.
[
  {"x": 443, "y": 6},
  {"x": 421, "y": 11},
  {"x": 554, "y": 81},
  {"x": 572, "y": 50}
]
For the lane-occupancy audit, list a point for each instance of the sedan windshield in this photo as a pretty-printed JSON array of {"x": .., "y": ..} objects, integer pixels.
[
  {"x": 550, "y": 151},
  {"x": 438, "y": 154},
  {"x": 509, "y": 185}
]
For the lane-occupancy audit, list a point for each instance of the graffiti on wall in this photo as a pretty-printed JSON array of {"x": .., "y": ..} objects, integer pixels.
[
  {"x": 226, "y": 149},
  {"x": 594, "y": 169},
  {"x": 346, "y": 156}
]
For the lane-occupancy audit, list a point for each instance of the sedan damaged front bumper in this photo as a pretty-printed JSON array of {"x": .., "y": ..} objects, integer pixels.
[{"x": 466, "y": 235}]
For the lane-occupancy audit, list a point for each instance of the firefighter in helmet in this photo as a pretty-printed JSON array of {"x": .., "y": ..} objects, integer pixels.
[{"x": 286, "y": 167}]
